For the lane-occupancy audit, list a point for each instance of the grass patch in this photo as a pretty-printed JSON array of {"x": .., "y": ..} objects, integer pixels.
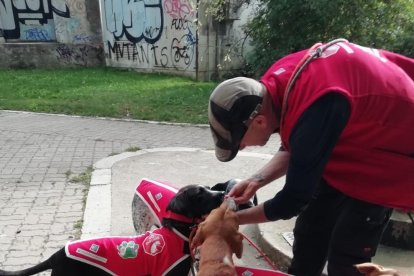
[
  {"x": 84, "y": 177},
  {"x": 78, "y": 229},
  {"x": 68, "y": 173},
  {"x": 105, "y": 92},
  {"x": 78, "y": 225},
  {"x": 133, "y": 149}
]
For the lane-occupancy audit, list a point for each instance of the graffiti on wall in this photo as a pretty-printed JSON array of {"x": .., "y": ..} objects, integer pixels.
[
  {"x": 150, "y": 33},
  {"x": 178, "y": 9},
  {"x": 30, "y": 19},
  {"x": 136, "y": 20},
  {"x": 72, "y": 54}
]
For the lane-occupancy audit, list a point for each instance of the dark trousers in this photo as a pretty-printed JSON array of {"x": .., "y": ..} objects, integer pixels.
[{"x": 336, "y": 228}]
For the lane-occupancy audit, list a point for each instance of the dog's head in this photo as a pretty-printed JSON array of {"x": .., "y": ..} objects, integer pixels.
[
  {"x": 195, "y": 201},
  {"x": 226, "y": 188},
  {"x": 222, "y": 222}
]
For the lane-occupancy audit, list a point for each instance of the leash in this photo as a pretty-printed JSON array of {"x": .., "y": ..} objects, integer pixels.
[
  {"x": 261, "y": 253},
  {"x": 192, "y": 249},
  {"x": 317, "y": 50}
]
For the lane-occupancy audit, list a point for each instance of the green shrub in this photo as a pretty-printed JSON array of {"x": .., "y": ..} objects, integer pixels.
[{"x": 284, "y": 26}]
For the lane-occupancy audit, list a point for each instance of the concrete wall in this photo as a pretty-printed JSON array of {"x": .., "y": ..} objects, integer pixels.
[
  {"x": 174, "y": 36},
  {"x": 168, "y": 36},
  {"x": 50, "y": 33},
  {"x": 150, "y": 35},
  {"x": 234, "y": 45}
]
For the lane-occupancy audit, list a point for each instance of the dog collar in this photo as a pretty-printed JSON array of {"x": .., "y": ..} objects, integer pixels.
[{"x": 175, "y": 216}]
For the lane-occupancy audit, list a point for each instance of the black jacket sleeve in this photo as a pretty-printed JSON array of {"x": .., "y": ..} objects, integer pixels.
[{"x": 311, "y": 143}]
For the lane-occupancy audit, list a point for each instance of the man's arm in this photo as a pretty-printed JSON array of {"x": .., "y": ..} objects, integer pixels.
[{"x": 275, "y": 168}]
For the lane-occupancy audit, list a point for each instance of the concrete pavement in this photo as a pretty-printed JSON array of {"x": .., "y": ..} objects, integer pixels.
[
  {"x": 39, "y": 153},
  {"x": 40, "y": 207}
]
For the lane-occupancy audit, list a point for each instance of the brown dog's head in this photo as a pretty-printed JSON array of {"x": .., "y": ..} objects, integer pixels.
[
  {"x": 195, "y": 201},
  {"x": 370, "y": 269},
  {"x": 224, "y": 224}
]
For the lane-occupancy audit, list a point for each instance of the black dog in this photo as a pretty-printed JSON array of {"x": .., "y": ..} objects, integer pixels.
[
  {"x": 166, "y": 247},
  {"x": 226, "y": 188}
]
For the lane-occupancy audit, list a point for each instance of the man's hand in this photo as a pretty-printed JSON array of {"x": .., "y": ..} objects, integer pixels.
[
  {"x": 244, "y": 190},
  {"x": 370, "y": 269}
]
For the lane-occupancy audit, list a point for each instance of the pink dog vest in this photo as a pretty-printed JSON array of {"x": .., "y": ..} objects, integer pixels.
[{"x": 153, "y": 253}]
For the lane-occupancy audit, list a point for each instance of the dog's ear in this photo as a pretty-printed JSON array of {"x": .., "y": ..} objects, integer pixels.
[
  {"x": 177, "y": 204},
  {"x": 225, "y": 186},
  {"x": 236, "y": 245},
  {"x": 198, "y": 238},
  {"x": 183, "y": 202},
  {"x": 221, "y": 187},
  {"x": 230, "y": 184}
]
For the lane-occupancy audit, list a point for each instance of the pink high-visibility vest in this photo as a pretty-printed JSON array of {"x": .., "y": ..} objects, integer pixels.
[{"x": 374, "y": 157}]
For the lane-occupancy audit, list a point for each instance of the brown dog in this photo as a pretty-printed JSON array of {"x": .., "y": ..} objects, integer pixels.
[
  {"x": 370, "y": 269},
  {"x": 219, "y": 238}
]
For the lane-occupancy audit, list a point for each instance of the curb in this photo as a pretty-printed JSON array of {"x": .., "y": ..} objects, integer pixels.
[
  {"x": 110, "y": 119},
  {"x": 279, "y": 256}
]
